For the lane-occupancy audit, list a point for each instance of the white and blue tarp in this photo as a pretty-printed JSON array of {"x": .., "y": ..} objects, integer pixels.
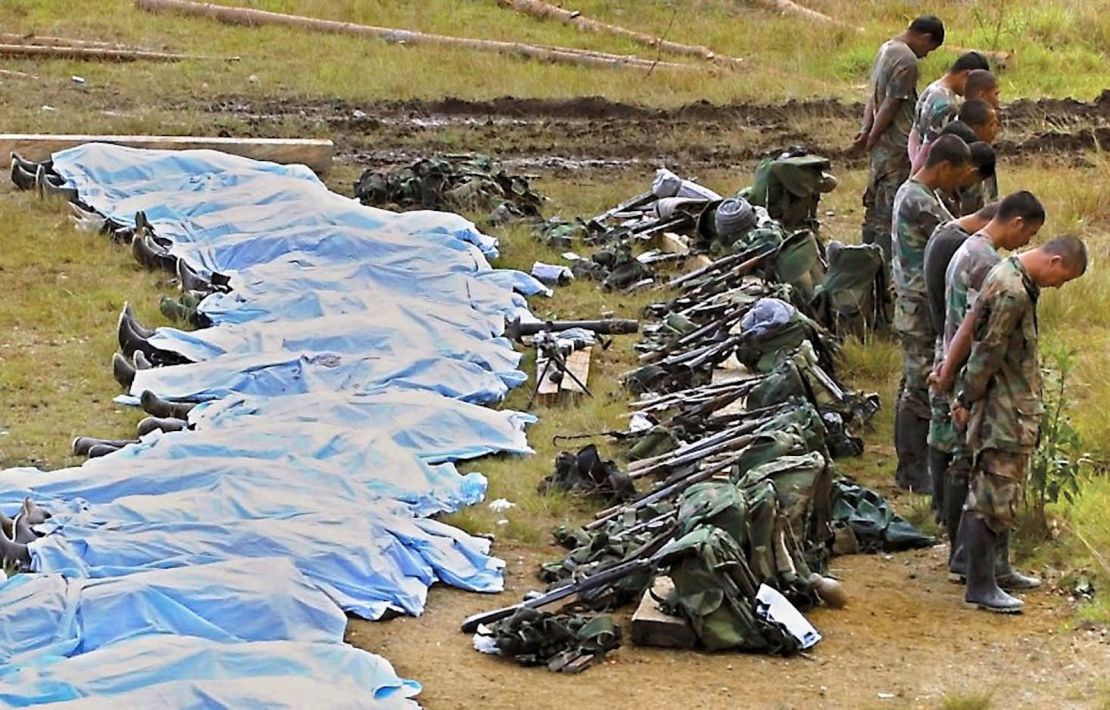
[{"x": 342, "y": 377}]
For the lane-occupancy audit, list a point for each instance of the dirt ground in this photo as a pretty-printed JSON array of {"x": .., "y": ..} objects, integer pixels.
[
  {"x": 595, "y": 132},
  {"x": 905, "y": 640}
]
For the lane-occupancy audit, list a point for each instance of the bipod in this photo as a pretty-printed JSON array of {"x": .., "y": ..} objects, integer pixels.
[{"x": 547, "y": 346}]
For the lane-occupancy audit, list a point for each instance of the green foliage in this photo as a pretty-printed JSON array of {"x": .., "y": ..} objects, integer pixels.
[
  {"x": 966, "y": 701},
  {"x": 1059, "y": 465}
]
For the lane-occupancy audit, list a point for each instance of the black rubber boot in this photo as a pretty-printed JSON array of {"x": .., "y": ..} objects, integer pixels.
[
  {"x": 22, "y": 532},
  {"x": 102, "y": 450},
  {"x": 1009, "y": 578},
  {"x": 163, "y": 424},
  {"x": 132, "y": 342},
  {"x": 938, "y": 472},
  {"x": 147, "y": 253},
  {"x": 155, "y": 406},
  {"x": 34, "y": 514},
  {"x": 47, "y": 188},
  {"x": 140, "y": 360},
  {"x": 955, "y": 494},
  {"x": 911, "y": 434},
  {"x": 128, "y": 314},
  {"x": 14, "y": 555},
  {"x": 123, "y": 371},
  {"x": 191, "y": 280},
  {"x": 30, "y": 166},
  {"x": 982, "y": 587},
  {"x": 122, "y": 235},
  {"x": 22, "y": 178},
  {"x": 82, "y": 444}
]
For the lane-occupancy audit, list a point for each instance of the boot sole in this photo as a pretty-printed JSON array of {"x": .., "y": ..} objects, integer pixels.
[
  {"x": 954, "y": 578},
  {"x": 993, "y": 609}
]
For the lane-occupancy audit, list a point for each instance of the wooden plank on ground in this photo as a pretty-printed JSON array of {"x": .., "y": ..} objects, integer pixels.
[
  {"x": 548, "y": 389},
  {"x": 315, "y": 153},
  {"x": 672, "y": 243},
  {"x": 578, "y": 364},
  {"x": 652, "y": 627}
]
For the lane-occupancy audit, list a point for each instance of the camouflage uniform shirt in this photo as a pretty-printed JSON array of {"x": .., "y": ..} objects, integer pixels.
[
  {"x": 917, "y": 213},
  {"x": 936, "y": 107},
  {"x": 894, "y": 75},
  {"x": 1001, "y": 382},
  {"x": 964, "y": 278}
]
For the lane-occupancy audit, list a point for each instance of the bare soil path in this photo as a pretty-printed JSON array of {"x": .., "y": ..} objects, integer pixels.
[{"x": 906, "y": 640}]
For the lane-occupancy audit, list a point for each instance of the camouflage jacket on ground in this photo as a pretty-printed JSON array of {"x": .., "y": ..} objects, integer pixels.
[
  {"x": 936, "y": 107},
  {"x": 917, "y": 212},
  {"x": 1001, "y": 382},
  {"x": 964, "y": 278}
]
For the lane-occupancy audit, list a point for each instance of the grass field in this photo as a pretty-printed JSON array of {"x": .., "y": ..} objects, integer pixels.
[
  {"x": 63, "y": 289},
  {"x": 1058, "y": 49}
]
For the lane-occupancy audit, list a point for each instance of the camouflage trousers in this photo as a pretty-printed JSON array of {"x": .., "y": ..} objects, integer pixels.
[
  {"x": 888, "y": 170},
  {"x": 917, "y": 363},
  {"x": 997, "y": 487}
]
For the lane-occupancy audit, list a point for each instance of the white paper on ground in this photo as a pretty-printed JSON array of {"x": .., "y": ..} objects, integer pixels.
[{"x": 773, "y": 606}]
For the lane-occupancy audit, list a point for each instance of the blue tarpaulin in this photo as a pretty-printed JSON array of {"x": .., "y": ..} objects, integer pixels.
[{"x": 340, "y": 380}]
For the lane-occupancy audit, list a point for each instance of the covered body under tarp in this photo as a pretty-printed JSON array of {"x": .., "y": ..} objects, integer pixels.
[{"x": 340, "y": 380}]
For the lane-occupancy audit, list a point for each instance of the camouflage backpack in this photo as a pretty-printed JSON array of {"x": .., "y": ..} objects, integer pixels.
[
  {"x": 789, "y": 532},
  {"x": 772, "y": 327},
  {"x": 799, "y": 262},
  {"x": 790, "y": 187},
  {"x": 854, "y": 296},
  {"x": 717, "y": 503},
  {"x": 714, "y": 590}
]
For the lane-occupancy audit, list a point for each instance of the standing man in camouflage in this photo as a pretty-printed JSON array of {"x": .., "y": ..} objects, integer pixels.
[
  {"x": 939, "y": 103},
  {"x": 938, "y": 254},
  {"x": 999, "y": 399},
  {"x": 1020, "y": 216},
  {"x": 887, "y": 121},
  {"x": 917, "y": 213}
]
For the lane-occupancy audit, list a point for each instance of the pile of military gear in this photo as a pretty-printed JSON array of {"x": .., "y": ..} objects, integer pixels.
[
  {"x": 468, "y": 182},
  {"x": 587, "y": 473},
  {"x": 732, "y": 494},
  {"x": 769, "y": 230},
  {"x": 565, "y": 643}
]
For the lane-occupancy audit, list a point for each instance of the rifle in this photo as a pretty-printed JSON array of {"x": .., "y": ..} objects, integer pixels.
[
  {"x": 515, "y": 330},
  {"x": 647, "y": 557},
  {"x": 660, "y": 493},
  {"x": 595, "y": 223}
]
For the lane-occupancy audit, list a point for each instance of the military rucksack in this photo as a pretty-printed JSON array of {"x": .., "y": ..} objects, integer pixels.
[
  {"x": 771, "y": 327},
  {"x": 714, "y": 590},
  {"x": 790, "y": 187},
  {"x": 854, "y": 296},
  {"x": 799, "y": 262}
]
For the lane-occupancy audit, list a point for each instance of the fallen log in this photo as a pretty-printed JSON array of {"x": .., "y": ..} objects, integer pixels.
[
  {"x": 544, "y": 10},
  {"x": 788, "y": 7},
  {"x": 90, "y": 53},
  {"x": 252, "y": 18},
  {"x": 48, "y": 41},
  {"x": 999, "y": 60},
  {"x": 18, "y": 74},
  {"x": 316, "y": 154}
]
